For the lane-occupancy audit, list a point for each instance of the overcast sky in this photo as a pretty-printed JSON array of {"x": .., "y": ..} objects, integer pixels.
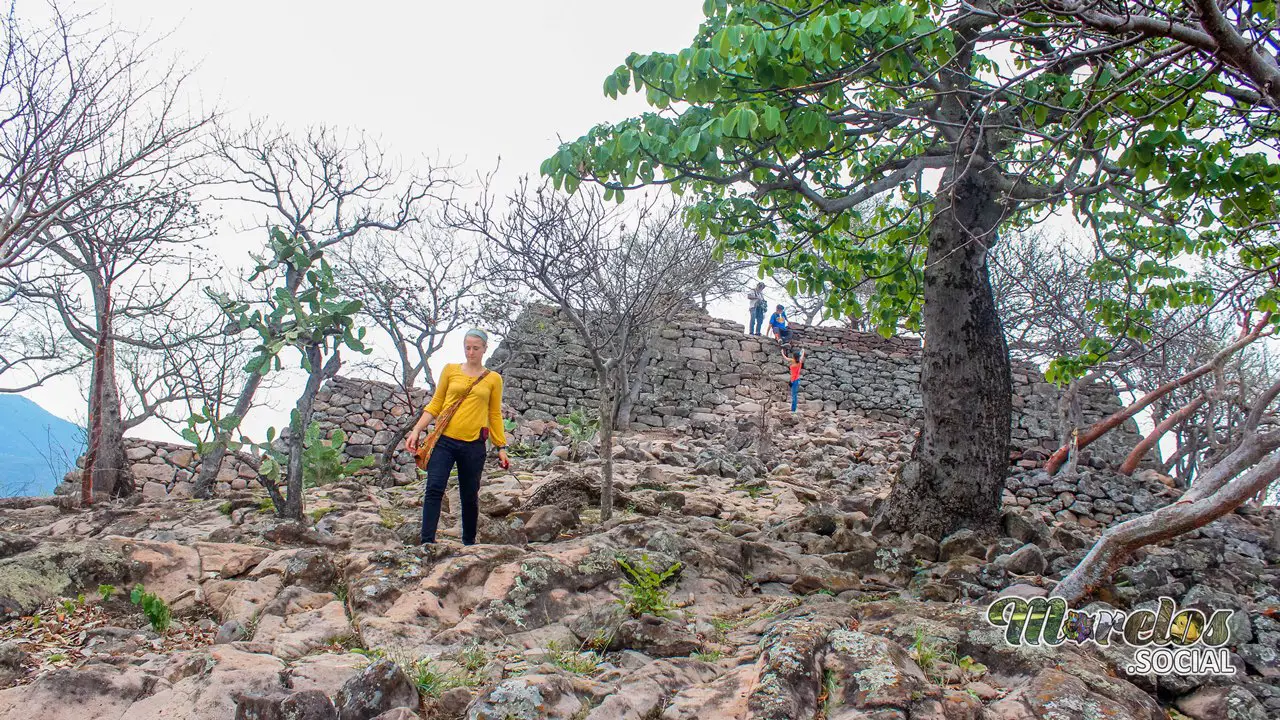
[{"x": 466, "y": 83}]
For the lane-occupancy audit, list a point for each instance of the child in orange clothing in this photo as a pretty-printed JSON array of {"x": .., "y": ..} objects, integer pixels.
[{"x": 796, "y": 363}]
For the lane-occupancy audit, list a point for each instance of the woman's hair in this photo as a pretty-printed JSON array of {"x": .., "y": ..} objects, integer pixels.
[{"x": 477, "y": 333}]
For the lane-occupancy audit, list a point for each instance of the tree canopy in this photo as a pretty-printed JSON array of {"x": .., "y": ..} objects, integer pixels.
[{"x": 787, "y": 118}]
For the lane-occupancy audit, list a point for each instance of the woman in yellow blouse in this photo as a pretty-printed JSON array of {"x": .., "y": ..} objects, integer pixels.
[{"x": 463, "y": 441}]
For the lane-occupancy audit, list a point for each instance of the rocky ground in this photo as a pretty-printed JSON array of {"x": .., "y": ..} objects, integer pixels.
[{"x": 779, "y": 601}]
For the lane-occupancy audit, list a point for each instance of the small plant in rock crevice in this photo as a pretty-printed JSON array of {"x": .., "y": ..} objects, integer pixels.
[
  {"x": 473, "y": 657},
  {"x": 827, "y": 698},
  {"x": 710, "y": 656},
  {"x": 154, "y": 607},
  {"x": 579, "y": 425},
  {"x": 643, "y": 591},
  {"x": 927, "y": 655},
  {"x": 390, "y": 518},
  {"x": 579, "y": 662},
  {"x": 430, "y": 681}
]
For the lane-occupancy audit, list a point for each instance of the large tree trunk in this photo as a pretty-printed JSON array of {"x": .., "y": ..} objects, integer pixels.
[
  {"x": 106, "y": 465},
  {"x": 956, "y": 472},
  {"x": 212, "y": 460}
]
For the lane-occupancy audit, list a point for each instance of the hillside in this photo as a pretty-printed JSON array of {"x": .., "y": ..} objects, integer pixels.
[
  {"x": 37, "y": 448},
  {"x": 784, "y": 603}
]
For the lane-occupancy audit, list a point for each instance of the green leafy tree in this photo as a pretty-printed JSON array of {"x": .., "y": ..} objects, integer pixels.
[
  {"x": 317, "y": 322},
  {"x": 897, "y": 140}
]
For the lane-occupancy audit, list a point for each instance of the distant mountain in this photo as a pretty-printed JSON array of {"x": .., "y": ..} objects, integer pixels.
[{"x": 36, "y": 447}]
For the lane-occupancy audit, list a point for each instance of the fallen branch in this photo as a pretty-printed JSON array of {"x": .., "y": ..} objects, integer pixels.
[{"x": 1257, "y": 452}]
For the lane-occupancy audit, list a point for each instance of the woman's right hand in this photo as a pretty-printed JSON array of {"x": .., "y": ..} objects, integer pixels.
[{"x": 411, "y": 443}]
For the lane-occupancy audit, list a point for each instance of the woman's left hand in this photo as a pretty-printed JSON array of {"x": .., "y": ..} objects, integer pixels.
[{"x": 502, "y": 458}]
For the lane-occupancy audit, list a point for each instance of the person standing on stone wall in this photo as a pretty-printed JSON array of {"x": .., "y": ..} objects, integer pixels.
[
  {"x": 758, "y": 307},
  {"x": 796, "y": 363},
  {"x": 467, "y": 408}
]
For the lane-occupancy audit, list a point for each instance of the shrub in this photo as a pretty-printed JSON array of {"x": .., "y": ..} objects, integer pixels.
[
  {"x": 579, "y": 425},
  {"x": 154, "y": 607},
  {"x": 643, "y": 591},
  {"x": 321, "y": 459}
]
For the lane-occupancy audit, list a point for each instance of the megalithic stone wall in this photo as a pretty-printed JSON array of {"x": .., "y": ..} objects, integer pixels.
[{"x": 703, "y": 369}]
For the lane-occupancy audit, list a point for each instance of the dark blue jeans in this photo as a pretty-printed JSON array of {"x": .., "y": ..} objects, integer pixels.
[
  {"x": 757, "y": 321},
  {"x": 469, "y": 457},
  {"x": 795, "y": 394}
]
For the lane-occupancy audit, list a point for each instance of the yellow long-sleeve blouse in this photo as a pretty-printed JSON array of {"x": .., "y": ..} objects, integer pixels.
[{"x": 482, "y": 408}]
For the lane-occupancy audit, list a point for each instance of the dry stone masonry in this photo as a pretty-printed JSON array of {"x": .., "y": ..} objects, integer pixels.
[
  {"x": 369, "y": 414},
  {"x": 162, "y": 469},
  {"x": 702, "y": 370}
]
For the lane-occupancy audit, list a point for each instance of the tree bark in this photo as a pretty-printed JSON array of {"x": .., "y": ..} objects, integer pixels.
[
  {"x": 111, "y": 475},
  {"x": 106, "y": 466},
  {"x": 211, "y": 463},
  {"x": 606, "y": 445},
  {"x": 1142, "y": 448},
  {"x": 957, "y": 468},
  {"x": 632, "y": 386},
  {"x": 95, "y": 421},
  {"x": 1069, "y": 419},
  {"x": 305, "y": 407}
]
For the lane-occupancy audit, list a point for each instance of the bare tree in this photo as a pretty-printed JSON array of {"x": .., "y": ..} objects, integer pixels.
[
  {"x": 326, "y": 187},
  {"x": 617, "y": 276},
  {"x": 1044, "y": 290},
  {"x": 34, "y": 348},
  {"x": 184, "y": 378},
  {"x": 416, "y": 290},
  {"x": 1047, "y": 296},
  {"x": 83, "y": 107},
  {"x": 115, "y": 282}
]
